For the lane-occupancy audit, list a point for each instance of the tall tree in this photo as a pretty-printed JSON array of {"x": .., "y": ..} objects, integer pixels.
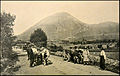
[
  {"x": 6, "y": 37},
  {"x": 39, "y": 38}
]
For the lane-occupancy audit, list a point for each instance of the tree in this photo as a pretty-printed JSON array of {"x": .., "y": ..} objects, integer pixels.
[
  {"x": 6, "y": 37},
  {"x": 39, "y": 38}
]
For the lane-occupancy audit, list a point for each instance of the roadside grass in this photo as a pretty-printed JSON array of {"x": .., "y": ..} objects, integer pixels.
[
  {"x": 7, "y": 65},
  {"x": 111, "y": 64}
]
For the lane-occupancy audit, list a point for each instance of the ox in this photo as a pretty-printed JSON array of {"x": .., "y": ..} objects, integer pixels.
[
  {"x": 45, "y": 55},
  {"x": 38, "y": 56}
]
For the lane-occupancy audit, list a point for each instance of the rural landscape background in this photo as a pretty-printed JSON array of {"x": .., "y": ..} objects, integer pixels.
[{"x": 65, "y": 25}]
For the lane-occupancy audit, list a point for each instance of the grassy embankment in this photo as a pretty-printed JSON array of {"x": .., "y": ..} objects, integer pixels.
[
  {"x": 7, "y": 65},
  {"x": 111, "y": 64}
]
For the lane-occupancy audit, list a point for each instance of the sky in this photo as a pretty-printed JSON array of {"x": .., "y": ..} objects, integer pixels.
[{"x": 28, "y": 13}]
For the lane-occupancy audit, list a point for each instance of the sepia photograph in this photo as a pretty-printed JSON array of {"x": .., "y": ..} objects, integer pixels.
[{"x": 59, "y": 38}]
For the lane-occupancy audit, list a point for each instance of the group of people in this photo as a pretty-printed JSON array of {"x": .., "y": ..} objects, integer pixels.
[
  {"x": 78, "y": 55},
  {"x": 40, "y": 55},
  {"x": 37, "y": 55},
  {"x": 81, "y": 55}
]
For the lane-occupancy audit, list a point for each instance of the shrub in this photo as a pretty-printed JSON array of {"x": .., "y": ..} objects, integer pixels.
[
  {"x": 8, "y": 57},
  {"x": 39, "y": 38},
  {"x": 6, "y": 37}
]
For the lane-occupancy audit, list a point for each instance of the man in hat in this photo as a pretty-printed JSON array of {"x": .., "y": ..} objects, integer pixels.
[
  {"x": 80, "y": 55},
  {"x": 30, "y": 55},
  {"x": 75, "y": 55},
  {"x": 28, "y": 50},
  {"x": 25, "y": 47}
]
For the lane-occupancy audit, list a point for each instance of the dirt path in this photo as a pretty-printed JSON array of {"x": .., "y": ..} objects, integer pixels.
[{"x": 58, "y": 67}]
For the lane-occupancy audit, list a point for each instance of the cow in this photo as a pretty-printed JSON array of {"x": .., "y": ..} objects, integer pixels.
[{"x": 45, "y": 55}]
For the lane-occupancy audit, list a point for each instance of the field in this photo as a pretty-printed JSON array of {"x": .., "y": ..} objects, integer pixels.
[
  {"x": 112, "y": 61},
  {"x": 111, "y": 55}
]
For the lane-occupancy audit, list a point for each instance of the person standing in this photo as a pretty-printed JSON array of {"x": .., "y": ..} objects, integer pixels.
[
  {"x": 102, "y": 59},
  {"x": 30, "y": 56},
  {"x": 85, "y": 56},
  {"x": 88, "y": 56},
  {"x": 25, "y": 47}
]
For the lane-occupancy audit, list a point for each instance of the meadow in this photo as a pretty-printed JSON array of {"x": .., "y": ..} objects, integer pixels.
[{"x": 111, "y": 55}]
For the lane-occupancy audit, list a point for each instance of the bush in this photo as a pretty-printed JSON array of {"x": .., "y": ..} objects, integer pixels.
[
  {"x": 6, "y": 36},
  {"x": 7, "y": 56},
  {"x": 39, "y": 38},
  {"x": 111, "y": 65}
]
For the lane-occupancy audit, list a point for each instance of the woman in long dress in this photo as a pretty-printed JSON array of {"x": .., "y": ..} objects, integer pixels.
[
  {"x": 102, "y": 59},
  {"x": 85, "y": 56}
]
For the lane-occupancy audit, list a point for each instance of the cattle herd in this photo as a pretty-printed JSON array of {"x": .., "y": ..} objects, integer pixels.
[{"x": 37, "y": 55}]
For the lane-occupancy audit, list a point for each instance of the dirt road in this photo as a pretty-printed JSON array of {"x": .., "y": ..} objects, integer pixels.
[{"x": 58, "y": 67}]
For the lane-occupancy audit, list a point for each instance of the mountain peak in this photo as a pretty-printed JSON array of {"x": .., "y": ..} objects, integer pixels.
[
  {"x": 62, "y": 25},
  {"x": 62, "y": 14},
  {"x": 57, "y": 26}
]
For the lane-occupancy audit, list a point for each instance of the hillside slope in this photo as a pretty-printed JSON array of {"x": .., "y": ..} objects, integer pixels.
[
  {"x": 62, "y": 26},
  {"x": 105, "y": 30}
]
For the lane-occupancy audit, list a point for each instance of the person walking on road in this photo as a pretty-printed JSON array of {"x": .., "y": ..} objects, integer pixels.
[{"x": 102, "y": 59}]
